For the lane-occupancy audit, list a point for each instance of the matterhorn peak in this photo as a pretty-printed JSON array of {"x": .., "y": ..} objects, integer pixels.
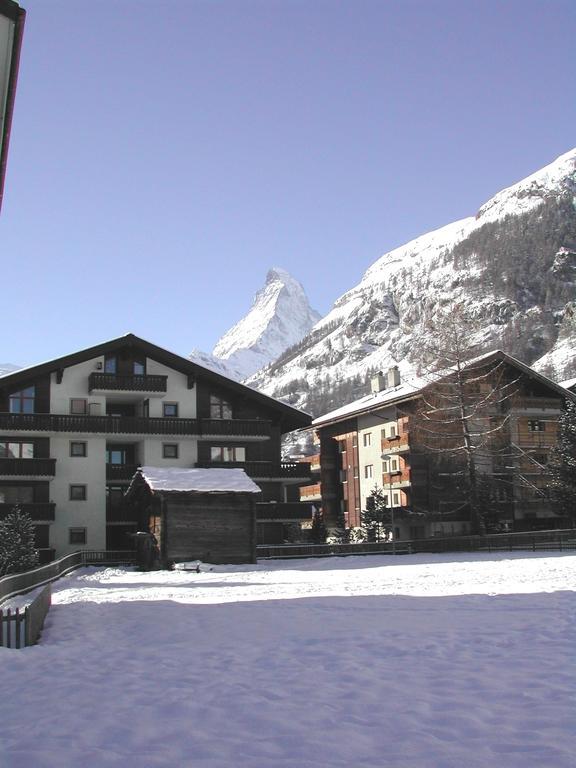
[{"x": 280, "y": 317}]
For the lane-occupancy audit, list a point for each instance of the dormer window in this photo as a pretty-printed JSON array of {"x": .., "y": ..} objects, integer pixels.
[
  {"x": 23, "y": 401},
  {"x": 220, "y": 408}
]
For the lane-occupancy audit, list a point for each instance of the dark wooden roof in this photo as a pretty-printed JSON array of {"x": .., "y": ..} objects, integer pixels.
[{"x": 291, "y": 418}]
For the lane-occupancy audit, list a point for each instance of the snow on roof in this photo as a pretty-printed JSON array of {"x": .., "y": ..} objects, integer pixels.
[
  {"x": 568, "y": 383},
  {"x": 214, "y": 480}
]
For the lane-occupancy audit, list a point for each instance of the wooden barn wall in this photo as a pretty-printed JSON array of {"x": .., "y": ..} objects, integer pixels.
[{"x": 218, "y": 528}]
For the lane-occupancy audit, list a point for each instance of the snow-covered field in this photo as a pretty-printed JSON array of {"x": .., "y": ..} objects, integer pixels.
[{"x": 460, "y": 661}]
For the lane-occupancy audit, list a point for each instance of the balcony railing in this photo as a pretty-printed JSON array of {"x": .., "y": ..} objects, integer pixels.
[
  {"x": 127, "y": 383},
  {"x": 121, "y": 514},
  {"x": 539, "y": 403},
  {"x": 399, "y": 477},
  {"x": 263, "y": 469},
  {"x": 235, "y": 427},
  {"x": 283, "y": 511},
  {"x": 117, "y": 425},
  {"x": 311, "y": 492},
  {"x": 54, "y": 422},
  {"x": 395, "y": 444},
  {"x": 39, "y": 511},
  {"x": 28, "y": 467},
  {"x": 120, "y": 471}
]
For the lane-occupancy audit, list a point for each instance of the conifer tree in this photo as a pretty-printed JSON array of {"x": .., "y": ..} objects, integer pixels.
[
  {"x": 17, "y": 548},
  {"x": 376, "y": 518}
]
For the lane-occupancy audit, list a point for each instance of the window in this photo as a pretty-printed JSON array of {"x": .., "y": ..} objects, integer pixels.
[
  {"x": 393, "y": 430},
  {"x": 368, "y": 471},
  {"x": 78, "y": 448},
  {"x": 77, "y": 535},
  {"x": 79, "y": 406},
  {"x": 227, "y": 453},
  {"x": 540, "y": 458},
  {"x": 139, "y": 368},
  {"x": 367, "y": 439},
  {"x": 396, "y": 498},
  {"x": 219, "y": 408},
  {"x": 342, "y": 446},
  {"x": 23, "y": 401},
  {"x": 116, "y": 456},
  {"x": 16, "y": 450},
  {"x": 383, "y": 434},
  {"x": 169, "y": 410},
  {"x": 536, "y": 426},
  {"x": 77, "y": 493},
  {"x": 170, "y": 450},
  {"x": 110, "y": 364}
]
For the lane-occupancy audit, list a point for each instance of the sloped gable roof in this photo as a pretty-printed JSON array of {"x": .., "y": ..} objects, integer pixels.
[
  {"x": 412, "y": 387},
  {"x": 292, "y": 418}
]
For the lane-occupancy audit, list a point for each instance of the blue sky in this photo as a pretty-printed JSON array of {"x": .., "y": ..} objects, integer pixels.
[{"x": 166, "y": 153}]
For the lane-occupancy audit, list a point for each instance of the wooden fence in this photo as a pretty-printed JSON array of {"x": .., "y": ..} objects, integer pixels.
[
  {"x": 20, "y": 627},
  {"x": 20, "y": 583},
  {"x": 556, "y": 540}
]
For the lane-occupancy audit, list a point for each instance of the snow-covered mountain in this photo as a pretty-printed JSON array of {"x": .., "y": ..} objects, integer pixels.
[
  {"x": 279, "y": 317},
  {"x": 513, "y": 266}
]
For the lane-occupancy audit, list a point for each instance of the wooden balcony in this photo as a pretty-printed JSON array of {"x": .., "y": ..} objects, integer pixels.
[
  {"x": 536, "y": 403},
  {"x": 38, "y": 511},
  {"x": 395, "y": 444},
  {"x": 113, "y": 382},
  {"x": 116, "y": 472},
  {"x": 27, "y": 467},
  {"x": 122, "y": 513},
  {"x": 283, "y": 511},
  {"x": 230, "y": 428},
  {"x": 399, "y": 478},
  {"x": 264, "y": 470},
  {"x": 244, "y": 429},
  {"x": 314, "y": 462},
  {"x": 311, "y": 492}
]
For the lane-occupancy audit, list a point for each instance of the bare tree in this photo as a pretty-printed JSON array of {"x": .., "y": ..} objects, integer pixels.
[{"x": 461, "y": 418}]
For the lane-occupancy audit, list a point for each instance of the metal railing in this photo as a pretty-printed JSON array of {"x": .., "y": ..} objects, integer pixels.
[{"x": 556, "y": 541}]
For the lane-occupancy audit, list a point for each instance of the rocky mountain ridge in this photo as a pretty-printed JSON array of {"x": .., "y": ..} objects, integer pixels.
[{"x": 513, "y": 266}]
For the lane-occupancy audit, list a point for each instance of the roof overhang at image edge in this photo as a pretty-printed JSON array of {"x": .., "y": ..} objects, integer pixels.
[
  {"x": 411, "y": 391},
  {"x": 11, "y": 31},
  {"x": 291, "y": 417}
]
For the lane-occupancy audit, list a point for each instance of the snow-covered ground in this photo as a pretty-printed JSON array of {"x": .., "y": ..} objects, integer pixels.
[{"x": 424, "y": 661}]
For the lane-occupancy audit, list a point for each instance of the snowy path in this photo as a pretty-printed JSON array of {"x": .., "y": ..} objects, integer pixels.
[{"x": 465, "y": 661}]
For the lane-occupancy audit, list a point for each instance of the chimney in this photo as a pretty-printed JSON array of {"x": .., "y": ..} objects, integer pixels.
[
  {"x": 393, "y": 376},
  {"x": 378, "y": 383}
]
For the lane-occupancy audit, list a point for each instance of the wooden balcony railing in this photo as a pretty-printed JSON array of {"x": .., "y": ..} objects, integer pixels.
[
  {"x": 235, "y": 427},
  {"x": 122, "y": 513},
  {"x": 263, "y": 469},
  {"x": 542, "y": 403},
  {"x": 117, "y": 425},
  {"x": 395, "y": 444},
  {"x": 311, "y": 492},
  {"x": 396, "y": 478},
  {"x": 127, "y": 383},
  {"x": 28, "y": 467},
  {"x": 38, "y": 511},
  {"x": 283, "y": 511}
]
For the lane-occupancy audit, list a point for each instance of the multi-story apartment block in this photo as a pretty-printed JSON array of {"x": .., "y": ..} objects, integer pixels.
[
  {"x": 378, "y": 441},
  {"x": 74, "y": 430}
]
